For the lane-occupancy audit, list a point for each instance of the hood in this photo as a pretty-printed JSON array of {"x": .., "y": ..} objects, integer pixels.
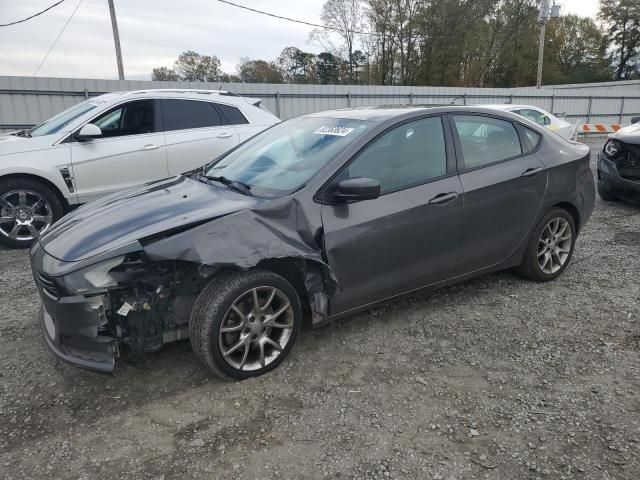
[
  {"x": 134, "y": 214},
  {"x": 628, "y": 134},
  {"x": 13, "y": 144}
]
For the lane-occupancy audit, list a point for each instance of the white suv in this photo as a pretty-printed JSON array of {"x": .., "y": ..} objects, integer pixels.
[{"x": 110, "y": 143}]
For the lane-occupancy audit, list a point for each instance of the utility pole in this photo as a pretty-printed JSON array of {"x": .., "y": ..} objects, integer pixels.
[
  {"x": 547, "y": 11},
  {"x": 116, "y": 40}
]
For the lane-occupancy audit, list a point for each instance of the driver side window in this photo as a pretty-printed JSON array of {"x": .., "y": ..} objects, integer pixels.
[
  {"x": 132, "y": 118},
  {"x": 407, "y": 156}
]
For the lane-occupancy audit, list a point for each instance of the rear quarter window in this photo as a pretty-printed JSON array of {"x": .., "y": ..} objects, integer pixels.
[{"x": 233, "y": 114}]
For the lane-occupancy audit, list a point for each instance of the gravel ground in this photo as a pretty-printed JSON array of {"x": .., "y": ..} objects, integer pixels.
[{"x": 494, "y": 378}]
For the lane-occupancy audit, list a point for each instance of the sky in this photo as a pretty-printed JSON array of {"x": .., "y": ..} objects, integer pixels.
[{"x": 154, "y": 32}]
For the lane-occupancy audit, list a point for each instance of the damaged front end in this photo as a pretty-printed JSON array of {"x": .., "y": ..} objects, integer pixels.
[
  {"x": 138, "y": 301},
  {"x": 126, "y": 304},
  {"x": 619, "y": 168}
]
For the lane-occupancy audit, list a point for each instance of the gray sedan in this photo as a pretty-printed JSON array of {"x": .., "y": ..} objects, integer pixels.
[{"x": 315, "y": 218}]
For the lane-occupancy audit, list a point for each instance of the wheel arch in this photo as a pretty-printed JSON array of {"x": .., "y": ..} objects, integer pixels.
[
  {"x": 38, "y": 178},
  {"x": 573, "y": 211}
]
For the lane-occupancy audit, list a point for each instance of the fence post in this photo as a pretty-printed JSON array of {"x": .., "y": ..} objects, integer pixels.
[
  {"x": 464, "y": 99},
  {"x": 511, "y": 99},
  {"x": 410, "y": 98},
  {"x": 278, "y": 104},
  {"x": 349, "y": 99},
  {"x": 553, "y": 103},
  {"x": 622, "y": 110},
  {"x": 86, "y": 93},
  {"x": 589, "y": 110}
]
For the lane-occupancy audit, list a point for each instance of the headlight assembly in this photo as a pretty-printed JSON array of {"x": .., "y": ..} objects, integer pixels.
[
  {"x": 612, "y": 148},
  {"x": 94, "y": 277}
]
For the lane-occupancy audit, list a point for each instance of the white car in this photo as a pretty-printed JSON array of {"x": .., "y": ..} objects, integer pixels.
[
  {"x": 541, "y": 117},
  {"x": 112, "y": 142}
]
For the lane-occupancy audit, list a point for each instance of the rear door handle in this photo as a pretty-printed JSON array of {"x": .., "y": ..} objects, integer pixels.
[
  {"x": 531, "y": 172},
  {"x": 149, "y": 147},
  {"x": 443, "y": 198},
  {"x": 225, "y": 135}
]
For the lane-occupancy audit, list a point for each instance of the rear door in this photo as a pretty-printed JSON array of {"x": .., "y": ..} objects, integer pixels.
[
  {"x": 234, "y": 116},
  {"x": 196, "y": 133},
  {"x": 131, "y": 151},
  {"x": 504, "y": 184},
  {"x": 407, "y": 238}
]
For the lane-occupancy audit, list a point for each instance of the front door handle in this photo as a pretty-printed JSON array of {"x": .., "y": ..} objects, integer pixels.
[
  {"x": 225, "y": 135},
  {"x": 443, "y": 198},
  {"x": 531, "y": 172},
  {"x": 146, "y": 148}
]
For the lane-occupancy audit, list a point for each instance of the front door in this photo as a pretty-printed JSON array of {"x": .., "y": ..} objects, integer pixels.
[
  {"x": 409, "y": 236},
  {"x": 130, "y": 152}
]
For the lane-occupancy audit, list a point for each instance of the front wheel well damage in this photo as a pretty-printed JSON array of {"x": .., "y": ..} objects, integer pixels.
[{"x": 152, "y": 305}]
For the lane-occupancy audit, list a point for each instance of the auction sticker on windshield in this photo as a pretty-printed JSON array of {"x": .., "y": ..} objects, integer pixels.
[{"x": 335, "y": 131}]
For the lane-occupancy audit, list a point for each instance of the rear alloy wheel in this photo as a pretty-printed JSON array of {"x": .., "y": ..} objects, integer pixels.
[
  {"x": 28, "y": 208},
  {"x": 550, "y": 247},
  {"x": 243, "y": 324}
]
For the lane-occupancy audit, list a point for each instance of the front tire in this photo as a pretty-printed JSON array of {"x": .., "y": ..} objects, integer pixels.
[
  {"x": 244, "y": 323},
  {"x": 28, "y": 208},
  {"x": 550, "y": 247}
]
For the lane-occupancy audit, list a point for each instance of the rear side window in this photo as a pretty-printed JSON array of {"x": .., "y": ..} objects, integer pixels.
[
  {"x": 184, "y": 114},
  {"x": 233, "y": 115},
  {"x": 530, "y": 140},
  {"x": 486, "y": 140}
]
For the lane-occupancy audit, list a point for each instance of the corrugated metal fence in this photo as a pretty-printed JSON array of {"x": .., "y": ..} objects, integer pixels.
[{"x": 26, "y": 101}]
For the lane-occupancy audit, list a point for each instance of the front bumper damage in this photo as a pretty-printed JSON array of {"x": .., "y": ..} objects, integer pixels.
[{"x": 621, "y": 176}]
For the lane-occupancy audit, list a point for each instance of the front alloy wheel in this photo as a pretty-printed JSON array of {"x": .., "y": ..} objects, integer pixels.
[
  {"x": 244, "y": 323},
  {"x": 28, "y": 208},
  {"x": 256, "y": 328}
]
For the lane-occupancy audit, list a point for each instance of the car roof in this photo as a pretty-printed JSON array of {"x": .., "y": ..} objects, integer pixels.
[
  {"x": 377, "y": 113},
  {"x": 191, "y": 93},
  {"x": 384, "y": 113},
  {"x": 510, "y": 106}
]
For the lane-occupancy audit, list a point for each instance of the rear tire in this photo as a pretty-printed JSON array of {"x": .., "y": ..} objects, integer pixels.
[
  {"x": 244, "y": 323},
  {"x": 550, "y": 247},
  {"x": 28, "y": 208},
  {"x": 605, "y": 194}
]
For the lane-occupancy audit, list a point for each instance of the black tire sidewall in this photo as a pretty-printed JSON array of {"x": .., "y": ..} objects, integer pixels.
[
  {"x": 41, "y": 188},
  {"x": 532, "y": 251},
  {"x": 222, "y": 305}
]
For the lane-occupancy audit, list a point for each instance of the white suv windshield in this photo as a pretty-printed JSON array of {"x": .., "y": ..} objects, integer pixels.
[
  {"x": 59, "y": 121},
  {"x": 282, "y": 159}
]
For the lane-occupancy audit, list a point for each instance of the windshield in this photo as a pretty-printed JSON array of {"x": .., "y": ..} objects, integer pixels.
[
  {"x": 59, "y": 121},
  {"x": 282, "y": 159}
]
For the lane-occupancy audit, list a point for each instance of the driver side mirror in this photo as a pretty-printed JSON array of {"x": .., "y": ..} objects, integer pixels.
[
  {"x": 89, "y": 132},
  {"x": 353, "y": 189}
]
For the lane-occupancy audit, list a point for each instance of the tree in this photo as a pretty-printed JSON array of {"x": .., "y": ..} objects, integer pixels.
[
  {"x": 297, "y": 66},
  {"x": 164, "y": 74},
  {"x": 259, "y": 71},
  {"x": 328, "y": 68},
  {"x": 622, "y": 19},
  {"x": 193, "y": 67},
  {"x": 575, "y": 51},
  {"x": 344, "y": 17}
]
